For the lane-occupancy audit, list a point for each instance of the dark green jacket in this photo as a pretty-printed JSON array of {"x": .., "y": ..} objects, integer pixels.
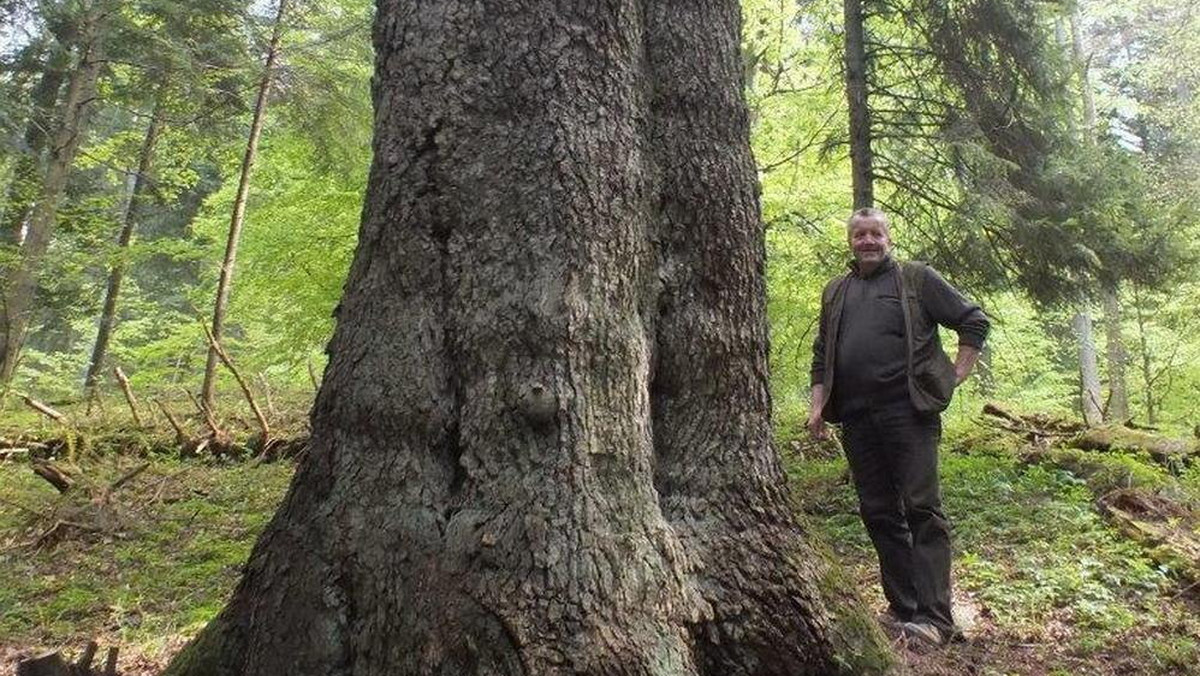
[{"x": 927, "y": 300}]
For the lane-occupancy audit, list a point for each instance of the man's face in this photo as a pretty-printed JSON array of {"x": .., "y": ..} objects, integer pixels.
[{"x": 869, "y": 240}]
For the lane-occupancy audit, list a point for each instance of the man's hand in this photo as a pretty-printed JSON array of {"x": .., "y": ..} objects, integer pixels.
[
  {"x": 964, "y": 361},
  {"x": 817, "y": 427},
  {"x": 816, "y": 423}
]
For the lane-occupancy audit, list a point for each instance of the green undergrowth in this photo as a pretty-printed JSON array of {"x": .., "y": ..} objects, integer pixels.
[
  {"x": 1033, "y": 551},
  {"x": 157, "y": 560}
]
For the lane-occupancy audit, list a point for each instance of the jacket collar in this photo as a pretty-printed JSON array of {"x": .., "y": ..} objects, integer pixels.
[{"x": 884, "y": 266}]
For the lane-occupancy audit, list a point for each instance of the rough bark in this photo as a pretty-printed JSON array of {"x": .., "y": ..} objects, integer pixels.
[
  {"x": 19, "y": 288},
  {"x": 238, "y": 216},
  {"x": 129, "y": 217},
  {"x": 861, "y": 158},
  {"x": 542, "y": 442},
  {"x": 1089, "y": 372},
  {"x": 1115, "y": 356}
]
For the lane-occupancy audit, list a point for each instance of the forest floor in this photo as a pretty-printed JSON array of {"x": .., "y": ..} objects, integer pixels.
[{"x": 1044, "y": 586}]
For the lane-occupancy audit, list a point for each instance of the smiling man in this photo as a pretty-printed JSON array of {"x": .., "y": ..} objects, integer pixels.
[{"x": 879, "y": 369}]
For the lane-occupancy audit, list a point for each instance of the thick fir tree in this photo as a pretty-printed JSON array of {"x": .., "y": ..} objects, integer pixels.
[{"x": 542, "y": 445}]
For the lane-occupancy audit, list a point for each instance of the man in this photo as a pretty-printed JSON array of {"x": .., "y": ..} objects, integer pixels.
[{"x": 879, "y": 369}]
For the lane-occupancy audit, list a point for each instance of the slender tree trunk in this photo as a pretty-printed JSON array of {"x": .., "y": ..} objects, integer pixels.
[
  {"x": 20, "y": 287},
  {"x": 542, "y": 444},
  {"x": 1114, "y": 342},
  {"x": 239, "y": 206},
  {"x": 23, "y": 189},
  {"x": 1089, "y": 371},
  {"x": 1090, "y": 398},
  {"x": 129, "y": 218},
  {"x": 1081, "y": 69},
  {"x": 1146, "y": 367},
  {"x": 861, "y": 158}
]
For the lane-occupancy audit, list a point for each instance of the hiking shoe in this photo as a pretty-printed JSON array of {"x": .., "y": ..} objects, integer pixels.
[{"x": 924, "y": 633}]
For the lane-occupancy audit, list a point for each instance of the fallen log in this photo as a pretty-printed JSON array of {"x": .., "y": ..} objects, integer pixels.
[
  {"x": 43, "y": 409},
  {"x": 1168, "y": 534},
  {"x": 55, "y": 475},
  {"x": 1171, "y": 453},
  {"x": 1038, "y": 428}
]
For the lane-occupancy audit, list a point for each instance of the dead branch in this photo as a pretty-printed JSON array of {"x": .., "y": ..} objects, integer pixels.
[
  {"x": 179, "y": 434},
  {"x": 1032, "y": 426},
  {"x": 62, "y": 525},
  {"x": 225, "y": 359},
  {"x": 127, "y": 477},
  {"x": 208, "y": 416},
  {"x": 312, "y": 376},
  {"x": 55, "y": 475},
  {"x": 218, "y": 440},
  {"x": 124, "y": 382},
  {"x": 266, "y": 387},
  {"x": 43, "y": 409}
]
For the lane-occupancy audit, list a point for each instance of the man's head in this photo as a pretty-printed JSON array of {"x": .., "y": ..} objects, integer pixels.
[{"x": 869, "y": 237}]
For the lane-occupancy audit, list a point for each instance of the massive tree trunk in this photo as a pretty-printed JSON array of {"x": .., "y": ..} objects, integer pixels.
[
  {"x": 542, "y": 443},
  {"x": 20, "y": 286},
  {"x": 1115, "y": 356},
  {"x": 129, "y": 216},
  {"x": 238, "y": 217},
  {"x": 1089, "y": 372},
  {"x": 861, "y": 158}
]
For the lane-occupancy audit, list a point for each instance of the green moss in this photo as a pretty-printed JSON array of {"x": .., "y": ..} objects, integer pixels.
[
  {"x": 860, "y": 648},
  {"x": 169, "y": 571}
]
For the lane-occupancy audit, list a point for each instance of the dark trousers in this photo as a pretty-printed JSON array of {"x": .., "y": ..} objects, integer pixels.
[{"x": 893, "y": 458}]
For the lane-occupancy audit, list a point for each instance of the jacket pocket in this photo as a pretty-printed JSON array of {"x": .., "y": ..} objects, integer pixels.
[{"x": 935, "y": 381}]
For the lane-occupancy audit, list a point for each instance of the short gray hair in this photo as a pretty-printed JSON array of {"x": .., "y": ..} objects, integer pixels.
[{"x": 867, "y": 212}]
